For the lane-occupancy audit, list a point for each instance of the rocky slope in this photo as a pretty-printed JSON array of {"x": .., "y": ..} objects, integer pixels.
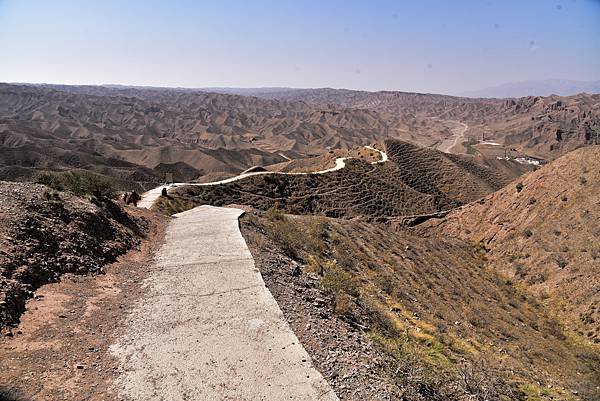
[
  {"x": 392, "y": 313},
  {"x": 45, "y": 234}
]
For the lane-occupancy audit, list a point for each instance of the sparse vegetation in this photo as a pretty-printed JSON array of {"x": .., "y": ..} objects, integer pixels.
[
  {"x": 469, "y": 146},
  {"x": 52, "y": 196},
  {"x": 536, "y": 392},
  {"x": 406, "y": 185},
  {"x": 520, "y": 270},
  {"x": 377, "y": 279},
  {"x": 79, "y": 182},
  {"x": 519, "y": 187},
  {"x": 172, "y": 205},
  {"x": 537, "y": 278}
]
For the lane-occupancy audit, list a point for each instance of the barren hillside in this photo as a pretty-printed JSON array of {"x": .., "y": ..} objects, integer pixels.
[
  {"x": 45, "y": 234},
  {"x": 541, "y": 126},
  {"x": 127, "y": 132},
  {"x": 389, "y": 313},
  {"x": 542, "y": 231},
  {"x": 414, "y": 181}
]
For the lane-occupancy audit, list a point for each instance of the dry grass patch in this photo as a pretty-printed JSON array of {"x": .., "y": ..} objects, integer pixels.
[{"x": 431, "y": 304}]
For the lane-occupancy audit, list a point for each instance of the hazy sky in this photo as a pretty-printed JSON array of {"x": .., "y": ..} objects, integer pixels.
[{"x": 445, "y": 46}]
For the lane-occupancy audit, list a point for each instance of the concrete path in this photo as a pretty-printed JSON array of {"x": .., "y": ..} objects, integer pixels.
[
  {"x": 208, "y": 328},
  {"x": 149, "y": 197},
  {"x": 384, "y": 156}
]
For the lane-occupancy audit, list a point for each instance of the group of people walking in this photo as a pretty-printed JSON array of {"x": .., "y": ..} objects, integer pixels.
[{"x": 132, "y": 198}]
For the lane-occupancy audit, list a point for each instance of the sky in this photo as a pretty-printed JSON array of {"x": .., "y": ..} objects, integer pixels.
[{"x": 443, "y": 46}]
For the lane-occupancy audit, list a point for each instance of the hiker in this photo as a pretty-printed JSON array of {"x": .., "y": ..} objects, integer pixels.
[
  {"x": 134, "y": 198},
  {"x": 125, "y": 198},
  {"x": 164, "y": 192}
]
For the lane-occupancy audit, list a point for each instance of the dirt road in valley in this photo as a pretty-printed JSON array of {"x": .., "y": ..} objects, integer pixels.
[
  {"x": 457, "y": 137},
  {"x": 208, "y": 328}
]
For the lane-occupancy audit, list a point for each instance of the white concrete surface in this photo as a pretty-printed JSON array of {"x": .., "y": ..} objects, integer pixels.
[
  {"x": 208, "y": 328},
  {"x": 148, "y": 198},
  {"x": 384, "y": 156}
]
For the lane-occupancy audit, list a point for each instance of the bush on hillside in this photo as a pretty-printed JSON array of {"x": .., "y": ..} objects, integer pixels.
[
  {"x": 79, "y": 182},
  {"x": 519, "y": 187}
]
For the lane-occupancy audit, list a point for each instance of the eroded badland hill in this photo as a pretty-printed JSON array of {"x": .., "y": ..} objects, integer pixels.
[
  {"x": 455, "y": 258},
  {"x": 129, "y": 133}
]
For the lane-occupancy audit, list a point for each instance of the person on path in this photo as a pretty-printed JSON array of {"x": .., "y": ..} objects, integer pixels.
[{"x": 134, "y": 198}]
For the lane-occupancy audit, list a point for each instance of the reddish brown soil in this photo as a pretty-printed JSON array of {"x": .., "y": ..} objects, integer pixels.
[
  {"x": 59, "y": 351},
  {"x": 542, "y": 232}
]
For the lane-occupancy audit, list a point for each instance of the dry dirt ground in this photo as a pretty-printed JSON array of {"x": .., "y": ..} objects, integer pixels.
[{"x": 59, "y": 351}]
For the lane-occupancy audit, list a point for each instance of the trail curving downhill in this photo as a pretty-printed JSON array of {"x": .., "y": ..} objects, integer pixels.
[
  {"x": 456, "y": 138},
  {"x": 148, "y": 198},
  {"x": 208, "y": 327}
]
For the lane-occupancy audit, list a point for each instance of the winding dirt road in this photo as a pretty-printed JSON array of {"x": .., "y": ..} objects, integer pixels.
[{"x": 457, "y": 137}]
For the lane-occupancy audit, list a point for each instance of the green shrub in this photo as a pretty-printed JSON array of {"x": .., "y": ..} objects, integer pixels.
[
  {"x": 561, "y": 262},
  {"x": 51, "y": 196},
  {"x": 336, "y": 280},
  {"x": 275, "y": 214},
  {"x": 520, "y": 270},
  {"x": 49, "y": 179},
  {"x": 79, "y": 182}
]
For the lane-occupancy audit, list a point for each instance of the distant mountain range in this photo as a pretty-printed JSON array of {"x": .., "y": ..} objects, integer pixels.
[{"x": 547, "y": 87}]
